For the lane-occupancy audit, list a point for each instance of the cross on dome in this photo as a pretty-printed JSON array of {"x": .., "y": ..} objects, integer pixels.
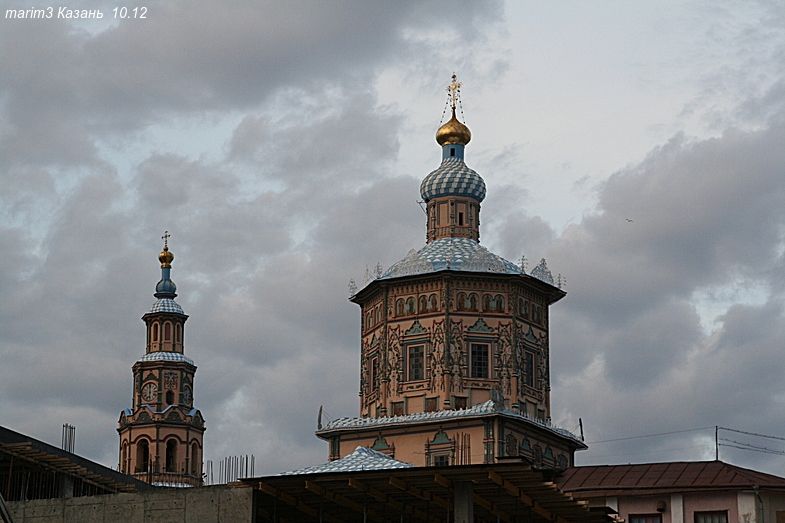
[{"x": 454, "y": 91}]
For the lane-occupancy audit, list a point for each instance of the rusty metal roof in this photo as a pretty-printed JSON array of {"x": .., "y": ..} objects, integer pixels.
[{"x": 656, "y": 478}]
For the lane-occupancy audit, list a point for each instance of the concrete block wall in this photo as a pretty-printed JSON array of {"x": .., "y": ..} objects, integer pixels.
[{"x": 217, "y": 504}]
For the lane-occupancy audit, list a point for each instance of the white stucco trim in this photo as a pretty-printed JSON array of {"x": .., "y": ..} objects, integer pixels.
[
  {"x": 747, "y": 504},
  {"x": 677, "y": 508}
]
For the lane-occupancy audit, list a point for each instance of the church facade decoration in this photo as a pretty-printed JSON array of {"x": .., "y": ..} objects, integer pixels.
[
  {"x": 161, "y": 435},
  {"x": 452, "y": 327}
]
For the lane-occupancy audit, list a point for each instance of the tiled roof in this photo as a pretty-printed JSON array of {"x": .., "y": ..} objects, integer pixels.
[
  {"x": 362, "y": 458},
  {"x": 458, "y": 254},
  {"x": 166, "y": 356},
  {"x": 617, "y": 480},
  {"x": 166, "y": 305},
  {"x": 453, "y": 178},
  {"x": 478, "y": 410}
]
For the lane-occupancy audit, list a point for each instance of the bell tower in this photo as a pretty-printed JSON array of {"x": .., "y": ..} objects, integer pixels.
[{"x": 161, "y": 436}]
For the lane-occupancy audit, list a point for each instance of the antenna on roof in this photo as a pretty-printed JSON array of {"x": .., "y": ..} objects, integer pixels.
[
  {"x": 420, "y": 202},
  {"x": 580, "y": 423},
  {"x": 319, "y": 421}
]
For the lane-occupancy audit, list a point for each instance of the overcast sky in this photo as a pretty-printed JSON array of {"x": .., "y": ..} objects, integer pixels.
[{"x": 639, "y": 148}]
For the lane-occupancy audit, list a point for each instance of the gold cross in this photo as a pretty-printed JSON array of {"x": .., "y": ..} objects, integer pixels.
[
  {"x": 454, "y": 90},
  {"x": 165, "y": 238}
]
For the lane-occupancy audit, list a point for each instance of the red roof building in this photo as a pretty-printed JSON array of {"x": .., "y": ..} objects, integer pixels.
[{"x": 680, "y": 492}]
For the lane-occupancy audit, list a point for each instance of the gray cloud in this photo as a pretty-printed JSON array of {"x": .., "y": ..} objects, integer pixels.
[
  {"x": 704, "y": 214},
  {"x": 302, "y": 190},
  {"x": 266, "y": 232}
]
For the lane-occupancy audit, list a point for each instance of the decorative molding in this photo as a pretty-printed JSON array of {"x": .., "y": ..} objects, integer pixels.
[
  {"x": 542, "y": 272},
  {"x": 441, "y": 437},
  {"x": 484, "y": 261},
  {"x": 416, "y": 328},
  {"x": 530, "y": 337},
  {"x": 480, "y": 326}
]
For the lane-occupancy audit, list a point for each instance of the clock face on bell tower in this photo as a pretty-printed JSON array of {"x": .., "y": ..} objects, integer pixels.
[
  {"x": 161, "y": 437},
  {"x": 150, "y": 392}
]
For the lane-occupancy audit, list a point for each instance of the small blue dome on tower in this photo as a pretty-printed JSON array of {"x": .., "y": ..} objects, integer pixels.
[
  {"x": 166, "y": 290},
  {"x": 165, "y": 287},
  {"x": 453, "y": 178}
]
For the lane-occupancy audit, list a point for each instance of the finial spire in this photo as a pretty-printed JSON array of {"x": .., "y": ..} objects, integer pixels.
[
  {"x": 453, "y": 132},
  {"x": 166, "y": 257},
  {"x": 454, "y": 92}
]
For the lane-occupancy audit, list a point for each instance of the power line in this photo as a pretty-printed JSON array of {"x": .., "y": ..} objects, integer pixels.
[
  {"x": 645, "y": 452},
  {"x": 649, "y": 435},
  {"x": 746, "y": 444},
  {"x": 752, "y": 433},
  {"x": 768, "y": 451}
]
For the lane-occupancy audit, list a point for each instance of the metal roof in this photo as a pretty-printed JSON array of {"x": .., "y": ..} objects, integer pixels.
[
  {"x": 166, "y": 305},
  {"x": 657, "y": 478},
  {"x": 166, "y": 356},
  {"x": 457, "y": 254},
  {"x": 481, "y": 409},
  {"x": 362, "y": 458}
]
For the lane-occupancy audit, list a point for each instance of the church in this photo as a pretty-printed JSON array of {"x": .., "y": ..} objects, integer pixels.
[
  {"x": 161, "y": 436},
  {"x": 454, "y": 341}
]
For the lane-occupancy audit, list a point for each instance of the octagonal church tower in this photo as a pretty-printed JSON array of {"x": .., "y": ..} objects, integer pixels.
[
  {"x": 161, "y": 436},
  {"x": 454, "y": 341}
]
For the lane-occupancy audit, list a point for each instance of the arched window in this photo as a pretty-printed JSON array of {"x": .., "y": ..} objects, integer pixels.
[
  {"x": 368, "y": 320},
  {"x": 410, "y": 306},
  {"x": 155, "y": 332},
  {"x": 423, "y": 304},
  {"x": 379, "y": 315},
  {"x": 525, "y": 309},
  {"x": 167, "y": 331},
  {"x": 196, "y": 465},
  {"x": 499, "y": 303},
  {"x": 461, "y": 299},
  {"x": 142, "y": 456},
  {"x": 486, "y": 303},
  {"x": 399, "y": 307},
  {"x": 178, "y": 333},
  {"x": 433, "y": 303},
  {"x": 473, "y": 302},
  {"x": 123, "y": 459},
  {"x": 171, "y": 456},
  {"x": 169, "y": 397}
]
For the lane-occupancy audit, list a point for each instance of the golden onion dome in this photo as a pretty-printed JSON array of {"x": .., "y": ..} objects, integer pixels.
[
  {"x": 453, "y": 132},
  {"x": 166, "y": 258}
]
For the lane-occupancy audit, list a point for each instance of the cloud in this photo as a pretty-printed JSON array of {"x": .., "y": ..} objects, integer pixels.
[
  {"x": 694, "y": 215},
  {"x": 255, "y": 135},
  {"x": 296, "y": 187}
]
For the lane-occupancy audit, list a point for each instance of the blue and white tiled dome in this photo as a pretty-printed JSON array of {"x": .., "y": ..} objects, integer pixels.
[
  {"x": 453, "y": 178},
  {"x": 457, "y": 254},
  {"x": 167, "y": 305},
  {"x": 166, "y": 356}
]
